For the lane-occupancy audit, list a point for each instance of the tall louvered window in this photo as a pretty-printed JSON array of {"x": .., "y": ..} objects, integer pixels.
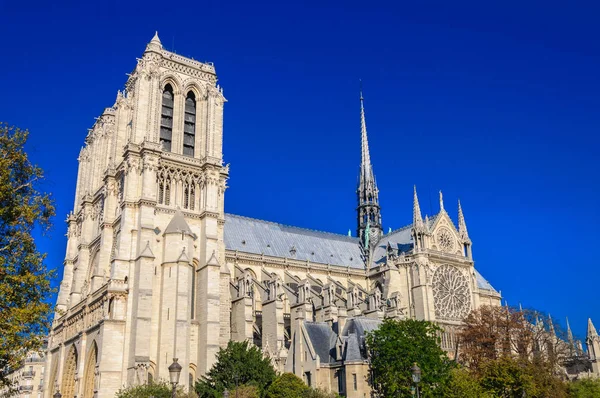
[
  {"x": 161, "y": 193},
  {"x": 189, "y": 127},
  {"x": 166, "y": 118},
  {"x": 167, "y": 198},
  {"x": 186, "y": 197}
]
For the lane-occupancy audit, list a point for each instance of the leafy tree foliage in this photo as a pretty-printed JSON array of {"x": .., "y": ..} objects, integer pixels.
[
  {"x": 238, "y": 364},
  {"x": 512, "y": 352},
  {"x": 395, "y": 346},
  {"x": 493, "y": 332},
  {"x": 24, "y": 279},
  {"x": 156, "y": 389},
  {"x": 287, "y": 385},
  {"x": 463, "y": 384},
  {"x": 586, "y": 388},
  {"x": 245, "y": 392}
]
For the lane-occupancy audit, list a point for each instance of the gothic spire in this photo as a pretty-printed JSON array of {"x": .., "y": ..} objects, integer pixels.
[
  {"x": 417, "y": 217},
  {"x": 570, "y": 335},
  {"x": 369, "y": 212},
  {"x": 462, "y": 225},
  {"x": 591, "y": 330},
  {"x": 551, "y": 326}
]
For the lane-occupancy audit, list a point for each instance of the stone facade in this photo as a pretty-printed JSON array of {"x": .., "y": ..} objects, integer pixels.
[{"x": 154, "y": 268}]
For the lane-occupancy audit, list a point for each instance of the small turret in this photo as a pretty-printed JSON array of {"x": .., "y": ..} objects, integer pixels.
[
  {"x": 463, "y": 233},
  {"x": 155, "y": 44},
  {"x": 419, "y": 228},
  {"x": 592, "y": 342}
]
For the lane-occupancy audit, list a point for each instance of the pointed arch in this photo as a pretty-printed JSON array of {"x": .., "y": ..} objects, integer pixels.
[
  {"x": 89, "y": 374},
  {"x": 69, "y": 373}
]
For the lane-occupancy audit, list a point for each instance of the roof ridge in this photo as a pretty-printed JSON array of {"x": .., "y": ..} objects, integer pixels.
[{"x": 346, "y": 237}]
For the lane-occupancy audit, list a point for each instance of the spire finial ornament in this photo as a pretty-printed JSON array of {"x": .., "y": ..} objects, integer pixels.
[
  {"x": 591, "y": 330},
  {"x": 417, "y": 217},
  {"x": 462, "y": 225},
  {"x": 441, "y": 201},
  {"x": 369, "y": 212},
  {"x": 155, "y": 43},
  {"x": 551, "y": 325},
  {"x": 570, "y": 333}
]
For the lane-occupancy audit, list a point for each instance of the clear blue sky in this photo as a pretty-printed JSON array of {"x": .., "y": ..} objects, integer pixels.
[{"x": 496, "y": 105}]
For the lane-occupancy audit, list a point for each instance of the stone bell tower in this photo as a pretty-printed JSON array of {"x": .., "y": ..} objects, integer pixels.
[{"x": 143, "y": 278}]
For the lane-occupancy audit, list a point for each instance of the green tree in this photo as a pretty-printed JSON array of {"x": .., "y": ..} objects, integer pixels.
[
  {"x": 507, "y": 378},
  {"x": 157, "y": 389},
  {"x": 24, "y": 279},
  {"x": 287, "y": 385},
  {"x": 463, "y": 384},
  {"x": 240, "y": 363},
  {"x": 585, "y": 388},
  {"x": 245, "y": 392},
  {"x": 393, "y": 349}
]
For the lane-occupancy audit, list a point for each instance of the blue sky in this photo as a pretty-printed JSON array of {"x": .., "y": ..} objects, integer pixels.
[{"x": 497, "y": 105}]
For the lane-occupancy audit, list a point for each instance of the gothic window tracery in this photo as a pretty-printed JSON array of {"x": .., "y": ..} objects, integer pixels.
[
  {"x": 451, "y": 293},
  {"x": 189, "y": 128},
  {"x": 166, "y": 118}
]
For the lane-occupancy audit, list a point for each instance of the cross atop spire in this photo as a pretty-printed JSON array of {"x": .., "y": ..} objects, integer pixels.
[{"x": 369, "y": 212}]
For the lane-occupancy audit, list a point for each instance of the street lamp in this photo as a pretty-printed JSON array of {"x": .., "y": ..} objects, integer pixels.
[
  {"x": 174, "y": 372},
  {"x": 416, "y": 376}
]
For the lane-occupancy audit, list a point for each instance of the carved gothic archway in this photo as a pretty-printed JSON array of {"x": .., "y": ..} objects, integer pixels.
[
  {"x": 89, "y": 374},
  {"x": 53, "y": 373},
  {"x": 69, "y": 372}
]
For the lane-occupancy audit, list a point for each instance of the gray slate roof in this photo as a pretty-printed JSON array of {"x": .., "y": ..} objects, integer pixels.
[
  {"x": 255, "y": 236},
  {"x": 271, "y": 239},
  {"x": 323, "y": 340},
  {"x": 178, "y": 224},
  {"x": 354, "y": 335}
]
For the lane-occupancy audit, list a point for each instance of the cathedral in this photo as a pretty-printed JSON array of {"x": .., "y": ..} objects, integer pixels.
[{"x": 155, "y": 269}]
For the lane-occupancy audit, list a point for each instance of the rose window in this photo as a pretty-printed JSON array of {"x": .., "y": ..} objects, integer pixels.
[
  {"x": 451, "y": 293},
  {"x": 445, "y": 240}
]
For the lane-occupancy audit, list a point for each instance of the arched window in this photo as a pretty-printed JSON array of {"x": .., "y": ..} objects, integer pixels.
[
  {"x": 189, "y": 127},
  {"x": 186, "y": 197},
  {"x": 166, "y": 118},
  {"x": 161, "y": 193},
  {"x": 167, "y": 198},
  {"x": 192, "y": 197}
]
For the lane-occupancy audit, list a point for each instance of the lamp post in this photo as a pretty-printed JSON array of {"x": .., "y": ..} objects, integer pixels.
[
  {"x": 416, "y": 376},
  {"x": 174, "y": 372}
]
